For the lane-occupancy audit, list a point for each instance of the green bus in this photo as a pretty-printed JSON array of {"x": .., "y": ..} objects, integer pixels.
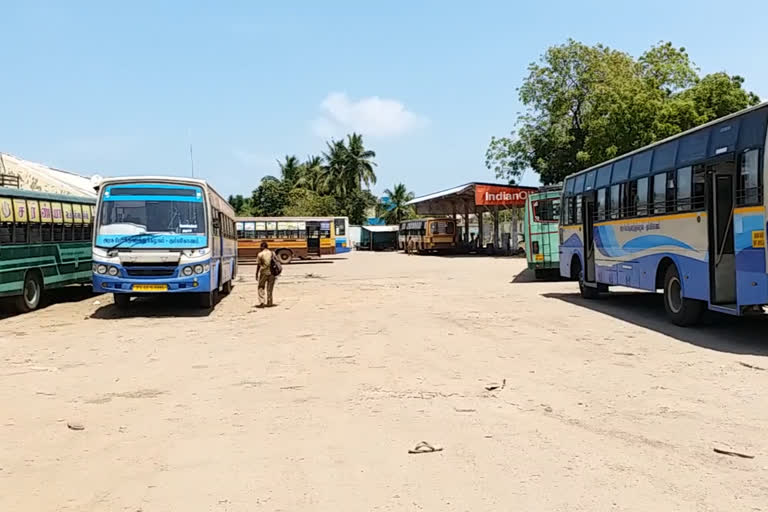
[
  {"x": 45, "y": 242},
  {"x": 542, "y": 214}
]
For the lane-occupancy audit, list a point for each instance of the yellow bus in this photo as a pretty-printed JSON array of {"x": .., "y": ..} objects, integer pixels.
[
  {"x": 428, "y": 235},
  {"x": 288, "y": 237}
]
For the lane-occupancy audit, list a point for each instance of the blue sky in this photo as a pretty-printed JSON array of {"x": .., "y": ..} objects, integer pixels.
[{"x": 94, "y": 87}]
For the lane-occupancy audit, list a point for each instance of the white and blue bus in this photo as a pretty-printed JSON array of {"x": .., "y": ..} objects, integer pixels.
[
  {"x": 341, "y": 234},
  {"x": 163, "y": 235},
  {"x": 685, "y": 215}
]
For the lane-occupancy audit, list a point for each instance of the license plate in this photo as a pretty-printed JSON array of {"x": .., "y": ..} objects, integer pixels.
[
  {"x": 539, "y": 257},
  {"x": 150, "y": 287}
]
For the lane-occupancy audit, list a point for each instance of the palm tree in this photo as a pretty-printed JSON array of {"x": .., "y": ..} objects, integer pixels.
[
  {"x": 396, "y": 207},
  {"x": 360, "y": 162},
  {"x": 311, "y": 175},
  {"x": 290, "y": 170},
  {"x": 334, "y": 176}
]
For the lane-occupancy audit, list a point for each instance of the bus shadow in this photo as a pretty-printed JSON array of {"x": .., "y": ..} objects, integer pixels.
[
  {"x": 67, "y": 294},
  {"x": 529, "y": 276},
  {"x": 723, "y": 333},
  {"x": 153, "y": 307}
]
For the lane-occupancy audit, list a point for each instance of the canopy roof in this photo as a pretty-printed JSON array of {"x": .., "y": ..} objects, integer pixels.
[{"x": 472, "y": 195}]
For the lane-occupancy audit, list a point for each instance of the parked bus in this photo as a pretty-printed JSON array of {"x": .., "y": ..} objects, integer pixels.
[
  {"x": 686, "y": 215},
  {"x": 341, "y": 234},
  {"x": 45, "y": 242},
  {"x": 163, "y": 235},
  {"x": 542, "y": 244},
  {"x": 428, "y": 235},
  {"x": 288, "y": 237}
]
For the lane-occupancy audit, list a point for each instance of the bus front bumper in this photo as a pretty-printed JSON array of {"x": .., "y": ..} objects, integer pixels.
[{"x": 196, "y": 283}]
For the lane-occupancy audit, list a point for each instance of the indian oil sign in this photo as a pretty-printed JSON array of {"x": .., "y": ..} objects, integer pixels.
[{"x": 501, "y": 195}]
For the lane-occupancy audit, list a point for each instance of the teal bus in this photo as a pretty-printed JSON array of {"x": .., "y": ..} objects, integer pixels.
[
  {"x": 542, "y": 214},
  {"x": 45, "y": 242}
]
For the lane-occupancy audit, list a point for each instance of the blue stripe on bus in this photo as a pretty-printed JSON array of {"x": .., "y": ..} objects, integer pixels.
[{"x": 181, "y": 199}]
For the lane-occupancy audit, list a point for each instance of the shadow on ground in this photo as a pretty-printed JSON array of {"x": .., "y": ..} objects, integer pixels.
[
  {"x": 63, "y": 295},
  {"x": 724, "y": 333},
  {"x": 178, "y": 306},
  {"x": 529, "y": 276}
]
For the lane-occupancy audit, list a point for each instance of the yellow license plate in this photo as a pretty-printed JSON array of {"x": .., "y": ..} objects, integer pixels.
[
  {"x": 539, "y": 257},
  {"x": 150, "y": 287}
]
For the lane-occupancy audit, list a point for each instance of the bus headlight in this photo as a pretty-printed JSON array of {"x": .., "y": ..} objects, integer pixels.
[
  {"x": 112, "y": 271},
  {"x": 187, "y": 271},
  {"x": 206, "y": 267},
  {"x": 101, "y": 269},
  {"x": 198, "y": 269}
]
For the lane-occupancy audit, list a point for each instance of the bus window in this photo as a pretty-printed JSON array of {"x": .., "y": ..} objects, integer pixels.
[
  {"x": 601, "y": 204},
  {"x": 546, "y": 210},
  {"x": 442, "y": 228},
  {"x": 642, "y": 197},
  {"x": 749, "y": 178},
  {"x": 699, "y": 187},
  {"x": 660, "y": 193},
  {"x": 340, "y": 227},
  {"x": 683, "y": 182},
  {"x": 615, "y": 201}
]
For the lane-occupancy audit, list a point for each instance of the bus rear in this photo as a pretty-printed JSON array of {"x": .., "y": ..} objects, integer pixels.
[
  {"x": 156, "y": 236},
  {"x": 542, "y": 214}
]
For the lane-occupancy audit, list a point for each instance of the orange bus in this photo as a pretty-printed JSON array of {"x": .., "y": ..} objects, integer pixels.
[{"x": 288, "y": 237}]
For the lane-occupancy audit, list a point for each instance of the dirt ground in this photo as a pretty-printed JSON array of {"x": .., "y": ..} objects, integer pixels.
[{"x": 314, "y": 404}]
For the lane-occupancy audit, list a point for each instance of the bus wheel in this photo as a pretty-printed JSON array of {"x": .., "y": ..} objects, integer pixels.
[
  {"x": 226, "y": 288},
  {"x": 30, "y": 293},
  {"x": 285, "y": 256},
  {"x": 587, "y": 292},
  {"x": 208, "y": 300},
  {"x": 122, "y": 300},
  {"x": 680, "y": 311}
]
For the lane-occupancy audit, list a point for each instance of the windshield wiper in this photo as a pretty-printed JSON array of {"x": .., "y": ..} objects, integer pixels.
[{"x": 133, "y": 237}]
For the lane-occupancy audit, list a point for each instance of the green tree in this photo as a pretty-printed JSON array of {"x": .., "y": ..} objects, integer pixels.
[
  {"x": 290, "y": 170},
  {"x": 311, "y": 175},
  {"x": 396, "y": 208},
  {"x": 303, "y": 202},
  {"x": 269, "y": 198},
  {"x": 586, "y": 104}
]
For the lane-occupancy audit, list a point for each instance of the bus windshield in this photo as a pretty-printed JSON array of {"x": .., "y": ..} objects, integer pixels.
[
  {"x": 546, "y": 210},
  {"x": 171, "y": 216}
]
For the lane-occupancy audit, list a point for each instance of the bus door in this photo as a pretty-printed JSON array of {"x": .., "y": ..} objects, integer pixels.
[
  {"x": 587, "y": 222},
  {"x": 720, "y": 209},
  {"x": 313, "y": 238}
]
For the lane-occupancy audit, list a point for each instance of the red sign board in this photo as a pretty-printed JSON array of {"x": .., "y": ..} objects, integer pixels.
[{"x": 501, "y": 195}]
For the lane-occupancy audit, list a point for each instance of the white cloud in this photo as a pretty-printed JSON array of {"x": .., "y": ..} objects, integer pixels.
[{"x": 373, "y": 116}]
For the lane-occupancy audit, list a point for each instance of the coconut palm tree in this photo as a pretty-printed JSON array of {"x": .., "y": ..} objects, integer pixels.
[
  {"x": 360, "y": 162},
  {"x": 334, "y": 176},
  {"x": 311, "y": 175},
  {"x": 290, "y": 170},
  {"x": 395, "y": 204}
]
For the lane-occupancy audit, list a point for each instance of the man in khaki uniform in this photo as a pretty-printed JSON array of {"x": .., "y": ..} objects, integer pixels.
[{"x": 264, "y": 275}]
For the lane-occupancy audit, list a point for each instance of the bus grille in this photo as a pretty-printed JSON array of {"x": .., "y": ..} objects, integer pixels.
[{"x": 150, "y": 271}]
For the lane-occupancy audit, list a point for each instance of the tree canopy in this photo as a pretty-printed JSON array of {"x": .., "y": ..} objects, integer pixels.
[
  {"x": 331, "y": 184},
  {"x": 587, "y": 104},
  {"x": 395, "y": 207}
]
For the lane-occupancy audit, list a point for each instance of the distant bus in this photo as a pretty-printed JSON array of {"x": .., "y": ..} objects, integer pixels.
[
  {"x": 685, "y": 215},
  {"x": 45, "y": 242},
  {"x": 428, "y": 235},
  {"x": 542, "y": 244},
  {"x": 163, "y": 235},
  {"x": 288, "y": 237},
  {"x": 341, "y": 234}
]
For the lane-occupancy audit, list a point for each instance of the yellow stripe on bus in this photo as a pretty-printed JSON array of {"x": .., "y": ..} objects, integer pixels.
[{"x": 750, "y": 209}]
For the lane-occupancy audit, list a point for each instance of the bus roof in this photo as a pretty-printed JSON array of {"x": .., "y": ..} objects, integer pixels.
[
  {"x": 672, "y": 138},
  {"x": 33, "y": 194},
  {"x": 162, "y": 179}
]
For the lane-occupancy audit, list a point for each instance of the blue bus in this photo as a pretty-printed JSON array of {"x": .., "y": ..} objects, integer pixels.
[
  {"x": 159, "y": 235},
  {"x": 685, "y": 215}
]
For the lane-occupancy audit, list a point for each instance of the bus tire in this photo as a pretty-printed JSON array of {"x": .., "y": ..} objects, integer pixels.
[
  {"x": 285, "y": 256},
  {"x": 680, "y": 311},
  {"x": 208, "y": 300},
  {"x": 31, "y": 292},
  {"x": 587, "y": 292},
  {"x": 122, "y": 300},
  {"x": 226, "y": 288},
  {"x": 540, "y": 274}
]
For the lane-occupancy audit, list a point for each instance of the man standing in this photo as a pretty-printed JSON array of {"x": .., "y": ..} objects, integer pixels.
[{"x": 264, "y": 275}]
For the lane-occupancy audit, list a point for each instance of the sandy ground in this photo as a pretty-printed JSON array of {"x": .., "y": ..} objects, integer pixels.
[{"x": 314, "y": 404}]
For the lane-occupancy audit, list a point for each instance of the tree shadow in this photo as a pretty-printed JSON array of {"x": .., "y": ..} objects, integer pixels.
[
  {"x": 66, "y": 294},
  {"x": 723, "y": 333},
  {"x": 168, "y": 306}
]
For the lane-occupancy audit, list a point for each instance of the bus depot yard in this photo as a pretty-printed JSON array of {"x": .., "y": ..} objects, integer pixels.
[{"x": 536, "y": 398}]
